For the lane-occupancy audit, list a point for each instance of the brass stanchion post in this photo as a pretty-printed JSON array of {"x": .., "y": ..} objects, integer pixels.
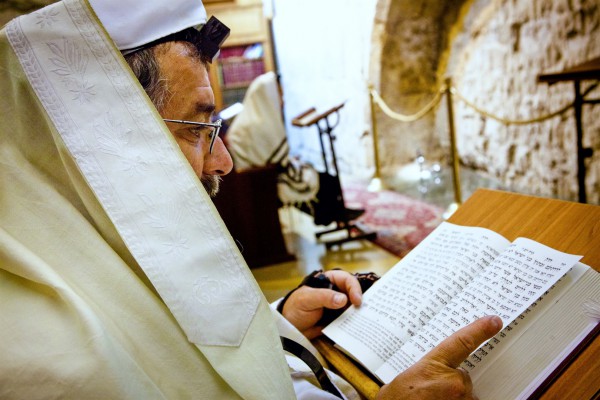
[
  {"x": 376, "y": 184},
  {"x": 453, "y": 152}
]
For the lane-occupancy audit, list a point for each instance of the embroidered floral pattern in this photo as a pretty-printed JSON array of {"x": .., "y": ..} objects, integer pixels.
[
  {"x": 210, "y": 291},
  {"x": 168, "y": 221},
  {"x": 71, "y": 65},
  {"x": 113, "y": 138},
  {"x": 46, "y": 17},
  {"x": 74, "y": 69}
]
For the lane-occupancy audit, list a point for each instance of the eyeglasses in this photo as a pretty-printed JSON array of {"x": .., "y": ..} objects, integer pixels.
[{"x": 216, "y": 128}]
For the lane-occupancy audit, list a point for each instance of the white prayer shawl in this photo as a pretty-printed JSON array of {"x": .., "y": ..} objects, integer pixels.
[
  {"x": 118, "y": 279},
  {"x": 257, "y": 136}
]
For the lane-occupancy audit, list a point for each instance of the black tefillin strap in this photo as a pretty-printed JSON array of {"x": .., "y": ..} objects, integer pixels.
[
  {"x": 309, "y": 359},
  {"x": 317, "y": 279}
]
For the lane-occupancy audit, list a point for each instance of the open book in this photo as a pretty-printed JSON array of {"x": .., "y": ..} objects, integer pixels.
[{"x": 458, "y": 274}]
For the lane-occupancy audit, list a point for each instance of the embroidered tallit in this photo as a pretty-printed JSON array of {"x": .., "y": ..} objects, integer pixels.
[
  {"x": 257, "y": 137},
  {"x": 118, "y": 278}
]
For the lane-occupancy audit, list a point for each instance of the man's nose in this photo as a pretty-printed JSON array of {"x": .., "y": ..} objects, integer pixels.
[{"x": 219, "y": 162}]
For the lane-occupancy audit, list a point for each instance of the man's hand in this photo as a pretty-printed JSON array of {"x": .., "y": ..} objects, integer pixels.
[
  {"x": 436, "y": 375},
  {"x": 304, "y": 307}
]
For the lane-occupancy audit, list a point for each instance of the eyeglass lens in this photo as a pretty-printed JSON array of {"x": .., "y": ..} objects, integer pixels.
[{"x": 215, "y": 129}]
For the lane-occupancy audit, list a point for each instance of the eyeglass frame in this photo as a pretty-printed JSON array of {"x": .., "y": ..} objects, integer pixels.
[{"x": 215, "y": 133}]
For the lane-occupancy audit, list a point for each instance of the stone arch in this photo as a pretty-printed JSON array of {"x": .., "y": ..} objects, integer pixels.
[
  {"x": 494, "y": 51},
  {"x": 408, "y": 64}
]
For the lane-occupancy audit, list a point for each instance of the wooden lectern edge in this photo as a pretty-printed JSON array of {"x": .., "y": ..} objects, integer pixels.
[
  {"x": 307, "y": 118},
  {"x": 342, "y": 365},
  {"x": 557, "y": 214}
]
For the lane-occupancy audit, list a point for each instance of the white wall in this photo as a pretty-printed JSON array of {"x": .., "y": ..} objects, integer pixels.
[{"x": 323, "y": 50}]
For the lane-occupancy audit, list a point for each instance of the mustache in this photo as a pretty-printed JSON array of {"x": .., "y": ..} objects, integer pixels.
[{"x": 211, "y": 184}]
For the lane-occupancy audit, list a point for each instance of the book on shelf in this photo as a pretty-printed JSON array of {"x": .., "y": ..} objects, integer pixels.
[{"x": 458, "y": 274}]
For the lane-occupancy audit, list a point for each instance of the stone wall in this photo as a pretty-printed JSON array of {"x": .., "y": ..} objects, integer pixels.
[
  {"x": 494, "y": 50},
  {"x": 406, "y": 54}
]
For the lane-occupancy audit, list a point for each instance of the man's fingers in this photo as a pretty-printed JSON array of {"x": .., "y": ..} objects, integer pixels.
[
  {"x": 313, "y": 332},
  {"x": 310, "y": 299},
  {"x": 347, "y": 283},
  {"x": 457, "y": 347},
  {"x": 466, "y": 379}
]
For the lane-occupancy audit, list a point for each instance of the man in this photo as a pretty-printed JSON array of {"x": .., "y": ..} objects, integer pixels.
[
  {"x": 117, "y": 277},
  {"x": 256, "y": 137}
]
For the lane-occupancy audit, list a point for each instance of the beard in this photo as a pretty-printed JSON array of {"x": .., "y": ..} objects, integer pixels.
[{"x": 211, "y": 184}]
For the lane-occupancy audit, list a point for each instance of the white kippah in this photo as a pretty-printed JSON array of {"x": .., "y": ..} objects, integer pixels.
[{"x": 134, "y": 23}]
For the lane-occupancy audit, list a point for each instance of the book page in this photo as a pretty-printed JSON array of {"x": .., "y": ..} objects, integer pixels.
[
  {"x": 533, "y": 349},
  {"x": 413, "y": 291},
  {"x": 478, "y": 361},
  {"x": 515, "y": 280}
]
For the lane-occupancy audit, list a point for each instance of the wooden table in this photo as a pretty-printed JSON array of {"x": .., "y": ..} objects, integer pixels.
[{"x": 566, "y": 226}]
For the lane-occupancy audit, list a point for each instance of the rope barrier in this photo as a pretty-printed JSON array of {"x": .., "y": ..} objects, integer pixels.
[
  {"x": 408, "y": 118},
  {"x": 438, "y": 96},
  {"x": 506, "y": 121},
  {"x": 449, "y": 90}
]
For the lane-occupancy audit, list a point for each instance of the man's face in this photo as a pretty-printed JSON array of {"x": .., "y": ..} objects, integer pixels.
[{"x": 192, "y": 99}]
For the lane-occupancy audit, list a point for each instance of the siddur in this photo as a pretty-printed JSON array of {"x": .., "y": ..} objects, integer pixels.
[{"x": 458, "y": 274}]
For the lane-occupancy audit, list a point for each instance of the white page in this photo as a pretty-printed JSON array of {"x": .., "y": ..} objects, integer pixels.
[
  {"x": 545, "y": 337},
  {"x": 515, "y": 280},
  {"x": 477, "y": 362},
  {"x": 419, "y": 286}
]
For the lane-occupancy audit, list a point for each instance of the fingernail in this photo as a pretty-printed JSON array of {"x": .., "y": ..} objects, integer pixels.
[
  {"x": 339, "y": 299},
  {"x": 497, "y": 321}
]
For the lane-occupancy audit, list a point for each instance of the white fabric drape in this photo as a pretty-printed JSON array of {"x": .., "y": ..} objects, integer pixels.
[
  {"x": 256, "y": 136},
  {"x": 118, "y": 278}
]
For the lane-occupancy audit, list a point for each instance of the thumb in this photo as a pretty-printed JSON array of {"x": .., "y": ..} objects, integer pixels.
[
  {"x": 456, "y": 348},
  {"x": 323, "y": 298}
]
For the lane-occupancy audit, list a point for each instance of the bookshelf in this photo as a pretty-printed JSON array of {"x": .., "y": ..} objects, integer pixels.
[
  {"x": 237, "y": 67},
  {"x": 246, "y": 53}
]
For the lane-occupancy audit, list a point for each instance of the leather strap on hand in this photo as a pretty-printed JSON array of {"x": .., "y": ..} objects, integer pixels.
[{"x": 317, "y": 279}]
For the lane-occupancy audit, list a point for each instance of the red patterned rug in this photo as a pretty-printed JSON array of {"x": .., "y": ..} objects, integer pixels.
[{"x": 401, "y": 222}]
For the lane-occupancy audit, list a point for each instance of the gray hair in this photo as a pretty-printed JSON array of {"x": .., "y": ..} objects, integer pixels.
[{"x": 145, "y": 67}]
